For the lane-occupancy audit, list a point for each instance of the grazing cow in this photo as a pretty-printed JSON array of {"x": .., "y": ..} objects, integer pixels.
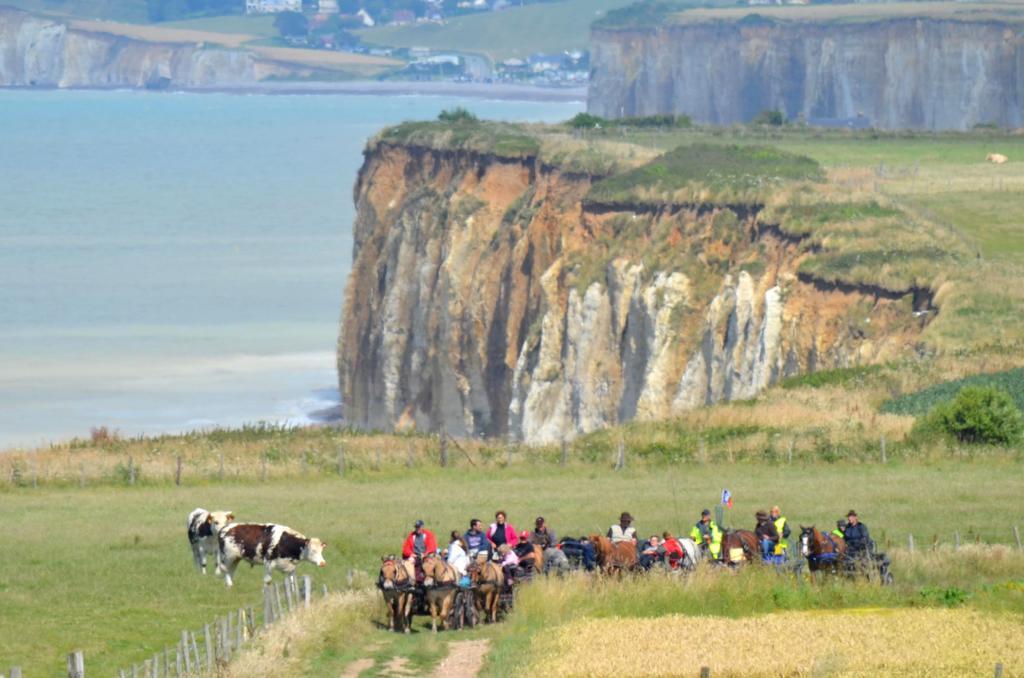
[
  {"x": 996, "y": 158},
  {"x": 276, "y": 546},
  {"x": 203, "y": 527}
]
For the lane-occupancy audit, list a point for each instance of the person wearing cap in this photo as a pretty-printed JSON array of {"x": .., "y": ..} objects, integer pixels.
[
  {"x": 544, "y": 537},
  {"x": 858, "y": 541},
  {"x": 478, "y": 546},
  {"x": 707, "y": 535},
  {"x": 524, "y": 551},
  {"x": 766, "y": 534},
  {"x": 623, "y": 531},
  {"x": 500, "y": 532},
  {"x": 840, "y": 530},
  {"x": 782, "y": 548},
  {"x": 419, "y": 542}
]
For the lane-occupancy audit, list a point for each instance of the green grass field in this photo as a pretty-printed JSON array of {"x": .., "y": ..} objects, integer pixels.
[
  {"x": 515, "y": 32},
  {"x": 108, "y": 569}
]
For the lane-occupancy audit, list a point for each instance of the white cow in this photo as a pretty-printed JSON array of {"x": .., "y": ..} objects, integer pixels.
[
  {"x": 275, "y": 546},
  {"x": 202, "y": 527}
]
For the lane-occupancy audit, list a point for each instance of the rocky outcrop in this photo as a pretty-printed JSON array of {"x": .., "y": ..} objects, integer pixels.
[
  {"x": 894, "y": 73},
  {"x": 42, "y": 52},
  {"x": 488, "y": 295}
]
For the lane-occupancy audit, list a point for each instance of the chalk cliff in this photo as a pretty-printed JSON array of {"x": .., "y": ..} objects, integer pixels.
[
  {"x": 42, "y": 52},
  {"x": 505, "y": 293},
  {"x": 890, "y": 73}
]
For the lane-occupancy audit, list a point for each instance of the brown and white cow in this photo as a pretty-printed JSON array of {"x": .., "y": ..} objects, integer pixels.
[
  {"x": 276, "y": 546},
  {"x": 202, "y": 527}
]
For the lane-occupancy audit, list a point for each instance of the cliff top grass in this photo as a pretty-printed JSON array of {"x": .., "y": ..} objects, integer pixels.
[
  {"x": 652, "y": 14},
  {"x": 707, "y": 173}
]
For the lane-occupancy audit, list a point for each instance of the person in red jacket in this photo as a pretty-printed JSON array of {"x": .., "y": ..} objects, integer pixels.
[
  {"x": 672, "y": 550},
  {"x": 419, "y": 542}
]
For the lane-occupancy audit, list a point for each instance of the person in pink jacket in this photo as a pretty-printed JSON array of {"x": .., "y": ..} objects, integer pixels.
[{"x": 501, "y": 532}]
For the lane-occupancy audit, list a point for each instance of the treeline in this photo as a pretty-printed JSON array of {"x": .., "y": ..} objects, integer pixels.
[{"x": 589, "y": 121}]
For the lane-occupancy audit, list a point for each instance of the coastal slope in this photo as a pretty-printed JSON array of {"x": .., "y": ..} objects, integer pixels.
[
  {"x": 500, "y": 288},
  {"x": 936, "y": 70}
]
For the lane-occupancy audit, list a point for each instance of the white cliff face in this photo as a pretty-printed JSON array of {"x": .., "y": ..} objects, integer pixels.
[
  {"x": 898, "y": 73},
  {"x": 42, "y": 52}
]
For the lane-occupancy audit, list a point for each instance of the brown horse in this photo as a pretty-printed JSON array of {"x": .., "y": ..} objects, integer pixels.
[
  {"x": 397, "y": 581},
  {"x": 441, "y": 583},
  {"x": 614, "y": 557},
  {"x": 739, "y": 546},
  {"x": 488, "y": 580},
  {"x": 823, "y": 552}
]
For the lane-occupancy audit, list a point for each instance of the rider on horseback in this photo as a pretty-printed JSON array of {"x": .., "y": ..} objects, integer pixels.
[
  {"x": 767, "y": 535},
  {"x": 707, "y": 535},
  {"x": 624, "y": 530},
  {"x": 782, "y": 548},
  {"x": 420, "y": 542}
]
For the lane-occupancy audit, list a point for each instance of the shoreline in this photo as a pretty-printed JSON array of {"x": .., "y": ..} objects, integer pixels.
[{"x": 475, "y": 90}]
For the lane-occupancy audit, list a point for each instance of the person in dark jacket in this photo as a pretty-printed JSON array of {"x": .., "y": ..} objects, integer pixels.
[
  {"x": 767, "y": 534},
  {"x": 476, "y": 539},
  {"x": 858, "y": 540}
]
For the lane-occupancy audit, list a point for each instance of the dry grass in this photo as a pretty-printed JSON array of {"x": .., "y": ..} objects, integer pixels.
[
  {"x": 863, "y": 642},
  {"x": 325, "y": 59},
  {"x": 151, "y": 33},
  {"x": 282, "y": 648}
]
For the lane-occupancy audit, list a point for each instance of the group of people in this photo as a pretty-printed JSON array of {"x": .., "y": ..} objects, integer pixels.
[{"x": 517, "y": 552}]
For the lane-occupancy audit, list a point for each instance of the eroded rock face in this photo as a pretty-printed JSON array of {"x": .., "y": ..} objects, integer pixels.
[
  {"x": 893, "y": 74},
  {"x": 42, "y": 52},
  {"x": 481, "y": 300}
]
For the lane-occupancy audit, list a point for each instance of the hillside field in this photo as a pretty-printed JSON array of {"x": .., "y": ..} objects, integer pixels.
[{"x": 115, "y": 561}]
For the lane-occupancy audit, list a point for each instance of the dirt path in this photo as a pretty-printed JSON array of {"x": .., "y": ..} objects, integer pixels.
[
  {"x": 465, "y": 657},
  {"x": 355, "y": 668}
]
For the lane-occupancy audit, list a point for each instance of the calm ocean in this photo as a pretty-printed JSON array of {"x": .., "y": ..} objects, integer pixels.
[{"x": 177, "y": 261}]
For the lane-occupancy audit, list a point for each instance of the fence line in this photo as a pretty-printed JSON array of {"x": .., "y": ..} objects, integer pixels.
[{"x": 216, "y": 643}]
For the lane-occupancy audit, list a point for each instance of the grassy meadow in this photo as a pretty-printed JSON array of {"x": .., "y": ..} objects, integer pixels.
[{"x": 115, "y": 562}]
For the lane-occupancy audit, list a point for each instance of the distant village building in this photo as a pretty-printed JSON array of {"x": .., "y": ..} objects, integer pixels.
[
  {"x": 272, "y": 6},
  {"x": 365, "y": 17},
  {"x": 328, "y": 7}
]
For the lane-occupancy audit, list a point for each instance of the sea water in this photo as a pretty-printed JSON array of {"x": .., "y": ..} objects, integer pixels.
[{"x": 172, "y": 262}]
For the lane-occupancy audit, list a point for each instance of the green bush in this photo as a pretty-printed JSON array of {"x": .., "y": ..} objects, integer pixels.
[
  {"x": 773, "y": 118},
  {"x": 457, "y": 115},
  {"x": 921, "y": 402},
  {"x": 587, "y": 121},
  {"x": 978, "y": 414}
]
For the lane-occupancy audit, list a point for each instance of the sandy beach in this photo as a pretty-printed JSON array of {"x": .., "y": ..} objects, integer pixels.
[{"x": 500, "y": 91}]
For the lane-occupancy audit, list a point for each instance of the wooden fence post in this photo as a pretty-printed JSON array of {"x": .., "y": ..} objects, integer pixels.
[
  {"x": 910, "y": 542},
  {"x": 185, "y": 650},
  {"x": 443, "y": 436},
  {"x": 325, "y": 590},
  {"x": 956, "y": 540},
  {"x": 789, "y": 455},
  {"x": 263, "y": 466},
  {"x": 208, "y": 642},
  {"x": 177, "y": 471},
  {"x": 81, "y": 474},
  {"x": 76, "y": 664},
  {"x": 1016, "y": 535},
  {"x": 240, "y": 629},
  {"x": 131, "y": 470},
  {"x": 15, "y": 672},
  {"x": 288, "y": 593},
  {"x": 881, "y": 444},
  {"x": 307, "y": 590},
  {"x": 250, "y": 622},
  {"x": 620, "y": 462},
  {"x": 268, "y": 607}
]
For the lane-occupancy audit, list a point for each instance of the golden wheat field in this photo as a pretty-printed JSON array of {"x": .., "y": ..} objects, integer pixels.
[{"x": 863, "y": 642}]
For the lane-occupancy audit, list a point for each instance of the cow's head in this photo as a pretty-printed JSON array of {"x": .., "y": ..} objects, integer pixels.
[
  {"x": 314, "y": 552},
  {"x": 220, "y": 519}
]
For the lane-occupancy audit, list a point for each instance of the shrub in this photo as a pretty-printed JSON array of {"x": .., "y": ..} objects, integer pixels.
[
  {"x": 773, "y": 118},
  {"x": 587, "y": 121},
  {"x": 977, "y": 415},
  {"x": 457, "y": 115}
]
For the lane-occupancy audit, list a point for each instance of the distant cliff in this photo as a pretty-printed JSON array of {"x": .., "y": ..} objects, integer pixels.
[
  {"x": 501, "y": 289},
  {"x": 890, "y": 73},
  {"x": 42, "y": 52}
]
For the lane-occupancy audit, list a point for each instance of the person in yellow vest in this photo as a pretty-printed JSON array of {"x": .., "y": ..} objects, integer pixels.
[
  {"x": 840, "y": 530},
  {"x": 782, "y": 548},
  {"x": 707, "y": 535}
]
